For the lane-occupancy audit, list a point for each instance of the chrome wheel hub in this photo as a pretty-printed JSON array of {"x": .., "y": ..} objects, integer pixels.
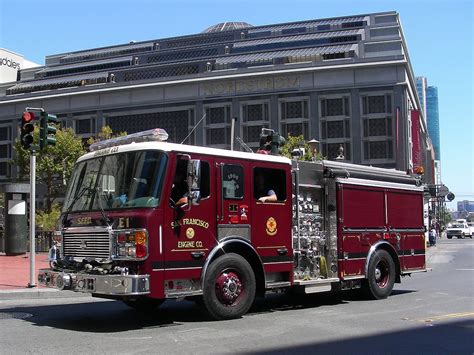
[{"x": 228, "y": 287}]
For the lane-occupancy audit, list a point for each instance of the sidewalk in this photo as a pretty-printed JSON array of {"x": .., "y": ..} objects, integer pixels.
[{"x": 15, "y": 276}]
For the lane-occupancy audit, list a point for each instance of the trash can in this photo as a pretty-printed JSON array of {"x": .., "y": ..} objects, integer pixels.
[{"x": 16, "y": 218}]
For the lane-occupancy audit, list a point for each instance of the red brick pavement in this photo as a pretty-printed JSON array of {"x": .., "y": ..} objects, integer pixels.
[{"x": 15, "y": 270}]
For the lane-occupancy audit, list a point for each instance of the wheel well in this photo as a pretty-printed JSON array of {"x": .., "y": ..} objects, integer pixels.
[
  {"x": 252, "y": 258},
  {"x": 395, "y": 258}
]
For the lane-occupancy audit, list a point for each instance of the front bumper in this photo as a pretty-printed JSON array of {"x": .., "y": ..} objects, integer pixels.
[{"x": 113, "y": 285}]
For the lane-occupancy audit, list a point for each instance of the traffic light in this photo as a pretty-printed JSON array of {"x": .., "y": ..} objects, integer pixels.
[
  {"x": 27, "y": 128},
  {"x": 47, "y": 130}
]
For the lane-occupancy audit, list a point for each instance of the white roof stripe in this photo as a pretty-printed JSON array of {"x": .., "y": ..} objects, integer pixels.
[{"x": 188, "y": 149}]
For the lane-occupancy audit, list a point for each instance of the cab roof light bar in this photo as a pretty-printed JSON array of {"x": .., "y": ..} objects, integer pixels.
[{"x": 152, "y": 135}]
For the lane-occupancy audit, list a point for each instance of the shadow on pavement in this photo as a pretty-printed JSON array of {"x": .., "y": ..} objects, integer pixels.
[
  {"x": 445, "y": 338},
  {"x": 115, "y": 316}
]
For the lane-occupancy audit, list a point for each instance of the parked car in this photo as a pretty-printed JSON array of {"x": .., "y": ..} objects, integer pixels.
[
  {"x": 458, "y": 229},
  {"x": 471, "y": 228}
]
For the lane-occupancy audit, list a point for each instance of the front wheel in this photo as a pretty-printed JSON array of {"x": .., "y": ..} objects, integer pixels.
[
  {"x": 229, "y": 287},
  {"x": 380, "y": 276}
]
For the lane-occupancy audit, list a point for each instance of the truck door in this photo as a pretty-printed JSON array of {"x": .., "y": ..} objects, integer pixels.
[
  {"x": 272, "y": 218},
  {"x": 405, "y": 225},
  {"x": 233, "y": 191},
  {"x": 189, "y": 230},
  {"x": 361, "y": 224}
]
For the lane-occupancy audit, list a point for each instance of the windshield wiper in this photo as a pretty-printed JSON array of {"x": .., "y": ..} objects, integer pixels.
[
  {"x": 78, "y": 196},
  {"x": 107, "y": 220}
]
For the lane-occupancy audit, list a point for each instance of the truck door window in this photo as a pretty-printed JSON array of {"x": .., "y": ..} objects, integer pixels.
[
  {"x": 269, "y": 184},
  {"x": 205, "y": 179},
  {"x": 179, "y": 191},
  {"x": 232, "y": 181}
]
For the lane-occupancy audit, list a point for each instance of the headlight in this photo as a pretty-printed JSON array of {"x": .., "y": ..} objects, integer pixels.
[{"x": 130, "y": 244}]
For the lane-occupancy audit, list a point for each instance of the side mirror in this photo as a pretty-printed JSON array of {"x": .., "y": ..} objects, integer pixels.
[
  {"x": 194, "y": 181},
  {"x": 195, "y": 197}
]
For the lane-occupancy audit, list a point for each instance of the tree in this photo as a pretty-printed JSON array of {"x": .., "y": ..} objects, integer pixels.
[
  {"x": 295, "y": 142},
  {"x": 104, "y": 134},
  {"x": 46, "y": 221},
  {"x": 54, "y": 164}
]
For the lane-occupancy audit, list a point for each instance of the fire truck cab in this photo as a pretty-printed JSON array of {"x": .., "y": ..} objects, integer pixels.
[{"x": 145, "y": 220}]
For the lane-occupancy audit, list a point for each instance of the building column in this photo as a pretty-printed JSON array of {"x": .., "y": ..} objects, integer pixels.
[
  {"x": 400, "y": 108},
  {"x": 69, "y": 121},
  {"x": 199, "y": 131},
  {"x": 99, "y": 122},
  {"x": 356, "y": 131},
  {"x": 274, "y": 116},
  {"x": 314, "y": 117},
  {"x": 235, "y": 112}
]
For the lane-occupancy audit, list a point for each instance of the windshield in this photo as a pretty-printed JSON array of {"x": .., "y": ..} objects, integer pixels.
[
  {"x": 457, "y": 225},
  {"x": 124, "y": 180}
]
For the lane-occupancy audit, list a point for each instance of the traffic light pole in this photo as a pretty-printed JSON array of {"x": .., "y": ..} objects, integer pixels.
[{"x": 32, "y": 218}]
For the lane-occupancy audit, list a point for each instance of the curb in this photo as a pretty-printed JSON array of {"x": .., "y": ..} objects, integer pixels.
[{"x": 38, "y": 293}]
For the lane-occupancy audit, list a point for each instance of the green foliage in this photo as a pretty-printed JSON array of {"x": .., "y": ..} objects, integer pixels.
[
  {"x": 54, "y": 164},
  {"x": 104, "y": 134},
  {"x": 446, "y": 217},
  {"x": 46, "y": 221},
  {"x": 294, "y": 142}
]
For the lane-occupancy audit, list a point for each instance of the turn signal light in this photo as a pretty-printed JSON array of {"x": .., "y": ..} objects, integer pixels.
[{"x": 130, "y": 244}]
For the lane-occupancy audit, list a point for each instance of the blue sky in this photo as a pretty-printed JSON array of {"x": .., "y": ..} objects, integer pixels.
[{"x": 439, "y": 34}]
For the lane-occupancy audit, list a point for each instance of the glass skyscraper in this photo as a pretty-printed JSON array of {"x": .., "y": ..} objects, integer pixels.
[
  {"x": 421, "y": 84},
  {"x": 432, "y": 111}
]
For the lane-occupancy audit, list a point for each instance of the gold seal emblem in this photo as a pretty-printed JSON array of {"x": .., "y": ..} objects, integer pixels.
[
  {"x": 190, "y": 233},
  {"x": 271, "y": 226}
]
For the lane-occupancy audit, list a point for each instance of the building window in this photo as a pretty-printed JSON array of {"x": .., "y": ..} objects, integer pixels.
[
  {"x": 251, "y": 134},
  {"x": 294, "y": 109},
  {"x": 374, "y": 127},
  {"x": 335, "y": 129},
  {"x": 218, "y": 115},
  {"x": 176, "y": 123},
  {"x": 335, "y": 107},
  {"x": 376, "y": 104},
  {"x": 218, "y": 125},
  {"x": 4, "y": 151},
  {"x": 294, "y": 118},
  {"x": 85, "y": 126},
  {"x": 5, "y": 133},
  {"x": 255, "y": 112},
  {"x": 255, "y": 116},
  {"x": 4, "y": 171},
  {"x": 378, "y": 150},
  {"x": 331, "y": 150},
  {"x": 218, "y": 136}
]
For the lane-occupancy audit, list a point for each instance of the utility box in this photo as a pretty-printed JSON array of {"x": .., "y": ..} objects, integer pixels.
[{"x": 16, "y": 218}]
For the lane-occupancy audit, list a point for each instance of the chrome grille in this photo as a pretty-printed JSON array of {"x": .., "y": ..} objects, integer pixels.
[{"x": 81, "y": 243}]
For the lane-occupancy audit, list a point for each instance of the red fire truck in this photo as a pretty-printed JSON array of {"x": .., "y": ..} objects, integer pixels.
[{"x": 125, "y": 234}]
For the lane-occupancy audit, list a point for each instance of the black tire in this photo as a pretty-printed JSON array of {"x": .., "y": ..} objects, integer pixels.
[
  {"x": 449, "y": 237},
  {"x": 380, "y": 275},
  {"x": 144, "y": 304},
  {"x": 229, "y": 287}
]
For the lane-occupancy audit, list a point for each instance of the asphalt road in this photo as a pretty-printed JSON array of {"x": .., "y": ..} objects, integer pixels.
[{"x": 429, "y": 313}]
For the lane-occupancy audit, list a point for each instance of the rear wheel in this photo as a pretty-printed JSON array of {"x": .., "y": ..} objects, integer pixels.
[
  {"x": 144, "y": 304},
  {"x": 380, "y": 276},
  {"x": 229, "y": 287}
]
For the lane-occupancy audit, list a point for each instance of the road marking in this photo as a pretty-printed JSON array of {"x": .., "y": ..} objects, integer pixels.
[
  {"x": 445, "y": 316},
  {"x": 464, "y": 269}
]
